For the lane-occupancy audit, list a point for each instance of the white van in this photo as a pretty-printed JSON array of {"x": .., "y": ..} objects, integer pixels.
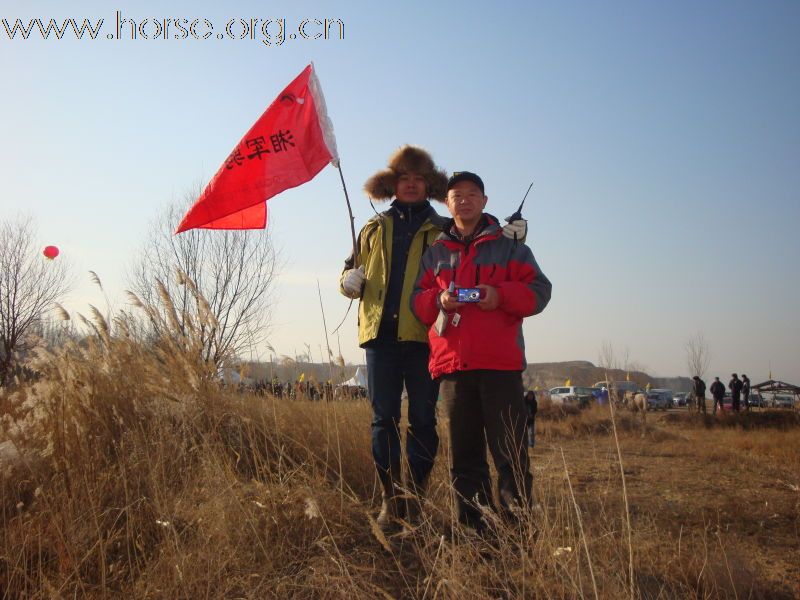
[{"x": 572, "y": 394}]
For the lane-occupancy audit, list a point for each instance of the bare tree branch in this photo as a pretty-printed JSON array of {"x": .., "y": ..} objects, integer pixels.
[
  {"x": 698, "y": 356},
  {"x": 233, "y": 272},
  {"x": 607, "y": 357},
  {"x": 29, "y": 286}
]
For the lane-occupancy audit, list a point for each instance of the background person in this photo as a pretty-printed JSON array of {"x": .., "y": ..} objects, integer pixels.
[
  {"x": 718, "y": 392},
  {"x": 699, "y": 393},
  {"x": 735, "y": 386},
  {"x": 746, "y": 391}
]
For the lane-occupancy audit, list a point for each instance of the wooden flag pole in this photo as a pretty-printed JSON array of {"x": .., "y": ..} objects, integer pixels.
[
  {"x": 352, "y": 234},
  {"x": 350, "y": 211}
]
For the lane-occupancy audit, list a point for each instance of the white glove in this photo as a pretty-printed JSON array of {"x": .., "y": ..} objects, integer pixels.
[
  {"x": 518, "y": 228},
  {"x": 353, "y": 282}
]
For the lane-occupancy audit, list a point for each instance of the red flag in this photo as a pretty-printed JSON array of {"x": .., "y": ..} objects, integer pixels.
[{"x": 291, "y": 142}]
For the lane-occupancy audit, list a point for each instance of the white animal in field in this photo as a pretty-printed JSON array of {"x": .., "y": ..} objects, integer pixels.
[{"x": 637, "y": 402}]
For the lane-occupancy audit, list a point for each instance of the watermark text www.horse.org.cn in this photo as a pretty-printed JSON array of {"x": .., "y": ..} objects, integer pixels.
[{"x": 269, "y": 31}]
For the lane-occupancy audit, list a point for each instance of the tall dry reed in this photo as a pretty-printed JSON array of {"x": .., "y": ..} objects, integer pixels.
[{"x": 142, "y": 476}]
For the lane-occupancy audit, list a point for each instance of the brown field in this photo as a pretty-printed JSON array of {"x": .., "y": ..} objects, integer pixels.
[{"x": 140, "y": 479}]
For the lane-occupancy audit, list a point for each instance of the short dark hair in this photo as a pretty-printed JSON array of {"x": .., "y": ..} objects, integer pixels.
[{"x": 459, "y": 176}]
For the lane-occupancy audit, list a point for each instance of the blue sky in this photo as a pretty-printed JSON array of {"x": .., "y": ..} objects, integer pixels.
[{"x": 662, "y": 140}]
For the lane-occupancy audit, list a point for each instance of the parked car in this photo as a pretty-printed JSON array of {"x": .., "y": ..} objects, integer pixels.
[
  {"x": 680, "y": 398},
  {"x": 756, "y": 400},
  {"x": 666, "y": 395},
  {"x": 574, "y": 395},
  {"x": 783, "y": 401},
  {"x": 658, "y": 400}
]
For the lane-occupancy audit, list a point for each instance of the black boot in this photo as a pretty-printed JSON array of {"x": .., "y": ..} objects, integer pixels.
[
  {"x": 392, "y": 506},
  {"x": 416, "y": 500}
]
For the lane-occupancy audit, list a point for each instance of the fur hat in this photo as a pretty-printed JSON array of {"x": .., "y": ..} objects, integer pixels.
[{"x": 408, "y": 159}]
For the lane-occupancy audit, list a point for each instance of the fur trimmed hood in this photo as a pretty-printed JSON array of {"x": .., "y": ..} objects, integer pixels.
[{"x": 408, "y": 159}]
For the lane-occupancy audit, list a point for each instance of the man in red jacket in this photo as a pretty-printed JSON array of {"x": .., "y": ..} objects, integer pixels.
[{"x": 474, "y": 288}]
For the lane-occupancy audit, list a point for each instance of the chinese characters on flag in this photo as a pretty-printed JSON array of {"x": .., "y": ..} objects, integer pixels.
[{"x": 288, "y": 145}]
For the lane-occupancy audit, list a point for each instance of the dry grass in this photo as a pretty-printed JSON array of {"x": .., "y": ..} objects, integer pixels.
[{"x": 143, "y": 478}]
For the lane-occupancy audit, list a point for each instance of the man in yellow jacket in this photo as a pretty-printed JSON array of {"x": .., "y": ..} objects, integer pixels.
[{"x": 390, "y": 249}]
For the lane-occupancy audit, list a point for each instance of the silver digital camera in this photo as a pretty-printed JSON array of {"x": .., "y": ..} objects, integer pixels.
[{"x": 469, "y": 294}]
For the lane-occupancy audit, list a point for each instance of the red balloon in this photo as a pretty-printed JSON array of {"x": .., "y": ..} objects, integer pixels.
[{"x": 50, "y": 252}]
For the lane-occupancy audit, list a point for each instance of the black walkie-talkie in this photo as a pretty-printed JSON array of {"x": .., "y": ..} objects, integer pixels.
[{"x": 518, "y": 215}]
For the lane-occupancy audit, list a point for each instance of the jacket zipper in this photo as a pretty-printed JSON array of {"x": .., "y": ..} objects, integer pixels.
[{"x": 386, "y": 263}]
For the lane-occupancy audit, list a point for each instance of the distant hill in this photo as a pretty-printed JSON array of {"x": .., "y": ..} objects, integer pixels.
[
  {"x": 584, "y": 373},
  {"x": 676, "y": 384},
  {"x": 541, "y": 375}
]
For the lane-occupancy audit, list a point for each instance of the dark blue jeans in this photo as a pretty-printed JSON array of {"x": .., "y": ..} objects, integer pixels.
[{"x": 390, "y": 365}]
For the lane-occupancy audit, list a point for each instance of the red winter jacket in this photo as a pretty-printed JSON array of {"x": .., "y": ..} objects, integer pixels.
[{"x": 481, "y": 339}]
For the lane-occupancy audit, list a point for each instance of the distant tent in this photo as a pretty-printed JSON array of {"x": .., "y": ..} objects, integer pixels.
[
  {"x": 357, "y": 380},
  {"x": 776, "y": 387},
  {"x": 230, "y": 376},
  {"x": 771, "y": 386}
]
